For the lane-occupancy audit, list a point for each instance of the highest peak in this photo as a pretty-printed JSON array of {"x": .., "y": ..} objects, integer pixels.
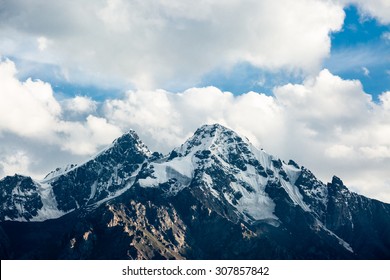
[
  {"x": 216, "y": 131},
  {"x": 210, "y": 137},
  {"x": 212, "y": 129}
]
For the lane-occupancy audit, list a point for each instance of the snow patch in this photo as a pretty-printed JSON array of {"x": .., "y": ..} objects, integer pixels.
[
  {"x": 292, "y": 172},
  {"x": 49, "y": 209},
  {"x": 257, "y": 204},
  {"x": 340, "y": 240},
  {"x": 295, "y": 195},
  {"x": 180, "y": 168}
]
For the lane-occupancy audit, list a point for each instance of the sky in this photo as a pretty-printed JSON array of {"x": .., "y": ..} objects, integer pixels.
[{"x": 307, "y": 80}]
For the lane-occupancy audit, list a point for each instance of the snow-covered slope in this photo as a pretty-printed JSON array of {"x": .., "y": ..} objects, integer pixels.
[{"x": 228, "y": 167}]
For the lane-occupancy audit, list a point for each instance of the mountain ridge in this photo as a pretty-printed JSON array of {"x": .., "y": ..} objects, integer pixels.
[{"x": 215, "y": 180}]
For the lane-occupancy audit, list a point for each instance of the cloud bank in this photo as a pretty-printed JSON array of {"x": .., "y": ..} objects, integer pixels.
[
  {"x": 327, "y": 124},
  {"x": 160, "y": 44},
  {"x": 30, "y": 110}
]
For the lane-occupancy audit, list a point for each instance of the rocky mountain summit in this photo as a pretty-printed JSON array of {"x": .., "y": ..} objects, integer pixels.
[{"x": 215, "y": 197}]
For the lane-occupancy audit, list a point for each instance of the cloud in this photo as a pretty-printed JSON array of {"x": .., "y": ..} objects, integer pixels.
[
  {"x": 30, "y": 110},
  {"x": 366, "y": 72},
  {"x": 34, "y": 157},
  {"x": 332, "y": 107},
  {"x": 385, "y": 100},
  {"x": 379, "y": 9},
  {"x": 348, "y": 131},
  {"x": 339, "y": 151},
  {"x": 27, "y": 108},
  {"x": 80, "y": 104},
  {"x": 157, "y": 44},
  {"x": 15, "y": 163},
  {"x": 115, "y": 14},
  {"x": 386, "y": 36},
  {"x": 376, "y": 151},
  {"x": 328, "y": 100},
  {"x": 166, "y": 119},
  {"x": 42, "y": 43},
  {"x": 85, "y": 138}
]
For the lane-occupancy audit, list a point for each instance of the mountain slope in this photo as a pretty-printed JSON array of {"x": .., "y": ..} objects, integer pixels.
[
  {"x": 214, "y": 197},
  {"x": 105, "y": 176}
]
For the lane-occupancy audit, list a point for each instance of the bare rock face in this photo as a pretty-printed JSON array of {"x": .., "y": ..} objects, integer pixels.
[
  {"x": 214, "y": 197},
  {"x": 19, "y": 197}
]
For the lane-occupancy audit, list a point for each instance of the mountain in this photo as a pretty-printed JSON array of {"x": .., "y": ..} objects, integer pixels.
[
  {"x": 214, "y": 197},
  {"x": 107, "y": 175}
]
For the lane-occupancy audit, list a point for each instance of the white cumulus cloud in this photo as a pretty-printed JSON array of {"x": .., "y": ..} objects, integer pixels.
[
  {"x": 166, "y": 119},
  {"x": 26, "y": 108},
  {"x": 29, "y": 109},
  {"x": 326, "y": 100},
  {"x": 154, "y": 44},
  {"x": 80, "y": 104},
  {"x": 85, "y": 138}
]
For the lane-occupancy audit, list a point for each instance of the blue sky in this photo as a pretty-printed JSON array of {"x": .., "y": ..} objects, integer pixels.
[
  {"x": 307, "y": 80},
  {"x": 244, "y": 77},
  {"x": 362, "y": 51}
]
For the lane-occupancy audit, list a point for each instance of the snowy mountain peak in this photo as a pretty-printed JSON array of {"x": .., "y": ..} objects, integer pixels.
[
  {"x": 213, "y": 137},
  {"x": 229, "y": 170},
  {"x": 210, "y": 128},
  {"x": 130, "y": 140},
  {"x": 218, "y": 133}
]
